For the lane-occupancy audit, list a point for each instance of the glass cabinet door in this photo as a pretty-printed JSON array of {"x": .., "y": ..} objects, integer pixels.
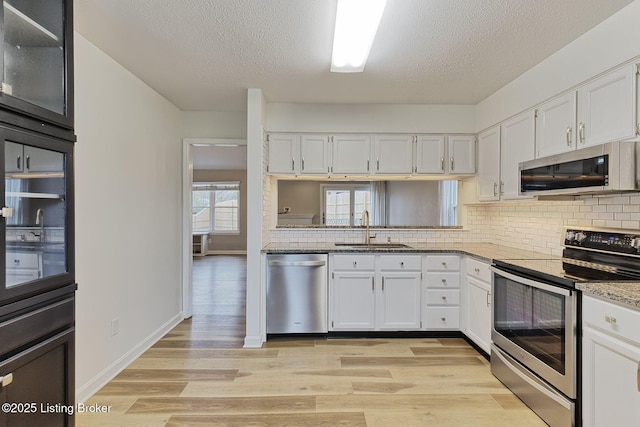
[
  {"x": 35, "y": 213},
  {"x": 34, "y": 57}
]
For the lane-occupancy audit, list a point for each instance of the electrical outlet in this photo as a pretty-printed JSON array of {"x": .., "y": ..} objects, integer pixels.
[
  {"x": 286, "y": 209},
  {"x": 115, "y": 326}
]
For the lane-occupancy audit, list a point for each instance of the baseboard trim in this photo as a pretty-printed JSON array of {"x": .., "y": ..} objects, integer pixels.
[
  {"x": 252, "y": 342},
  {"x": 96, "y": 383},
  {"x": 227, "y": 252}
]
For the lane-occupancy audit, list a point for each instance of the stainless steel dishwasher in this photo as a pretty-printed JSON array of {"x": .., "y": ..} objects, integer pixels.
[{"x": 296, "y": 293}]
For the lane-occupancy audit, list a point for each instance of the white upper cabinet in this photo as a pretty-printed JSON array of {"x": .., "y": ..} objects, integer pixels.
[
  {"x": 489, "y": 165},
  {"x": 607, "y": 108},
  {"x": 351, "y": 154},
  {"x": 517, "y": 145},
  {"x": 283, "y": 151},
  {"x": 314, "y": 155},
  {"x": 556, "y": 126},
  {"x": 600, "y": 111},
  {"x": 430, "y": 154},
  {"x": 393, "y": 154},
  {"x": 462, "y": 154}
]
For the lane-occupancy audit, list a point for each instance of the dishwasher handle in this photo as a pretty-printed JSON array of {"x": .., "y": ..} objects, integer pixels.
[{"x": 297, "y": 263}]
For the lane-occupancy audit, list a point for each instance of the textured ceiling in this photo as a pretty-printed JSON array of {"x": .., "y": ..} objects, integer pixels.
[{"x": 204, "y": 54}]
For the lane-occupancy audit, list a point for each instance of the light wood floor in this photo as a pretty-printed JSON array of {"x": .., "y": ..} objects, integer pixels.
[{"x": 199, "y": 375}]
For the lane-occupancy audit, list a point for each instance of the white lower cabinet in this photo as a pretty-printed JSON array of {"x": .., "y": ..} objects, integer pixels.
[
  {"x": 442, "y": 292},
  {"x": 610, "y": 364},
  {"x": 375, "y": 292},
  {"x": 478, "y": 303}
]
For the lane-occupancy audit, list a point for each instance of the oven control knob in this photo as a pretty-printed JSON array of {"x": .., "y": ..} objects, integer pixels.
[
  {"x": 580, "y": 237},
  {"x": 635, "y": 243},
  {"x": 569, "y": 236}
]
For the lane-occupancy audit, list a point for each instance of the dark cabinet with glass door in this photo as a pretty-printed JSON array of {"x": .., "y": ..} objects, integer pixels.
[{"x": 37, "y": 59}]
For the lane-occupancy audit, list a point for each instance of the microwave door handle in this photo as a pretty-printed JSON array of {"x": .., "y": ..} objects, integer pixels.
[{"x": 532, "y": 283}]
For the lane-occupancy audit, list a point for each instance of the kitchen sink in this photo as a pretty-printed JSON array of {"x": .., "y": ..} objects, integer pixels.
[{"x": 373, "y": 245}]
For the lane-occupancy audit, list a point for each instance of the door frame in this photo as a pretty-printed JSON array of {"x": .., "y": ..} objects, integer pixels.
[{"x": 187, "y": 230}]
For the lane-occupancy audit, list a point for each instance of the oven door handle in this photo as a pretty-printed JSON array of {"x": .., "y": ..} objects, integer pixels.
[{"x": 532, "y": 283}]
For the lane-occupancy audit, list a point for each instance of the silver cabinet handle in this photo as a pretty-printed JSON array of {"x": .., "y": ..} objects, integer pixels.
[
  {"x": 477, "y": 270},
  {"x": 444, "y": 264},
  {"x": 6, "y": 380},
  {"x": 444, "y": 319},
  {"x": 610, "y": 319},
  {"x": 581, "y": 132},
  {"x": 495, "y": 189},
  {"x": 18, "y": 162},
  {"x": 451, "y": 160},
  {"x": 378, "y": 164},
  {"x": 402, "y": 264},
  {"x": 415, "y": 169},
  {"x": 638, "y": 377},
  {"x": 293, "y": 164},
  {"x": 382, "y": 283},
  {"x": 569, "y": 138},
  {"x": 501, "y": 187},
  {"x": 373, "y": 284},
  {"x": 303, "y": 163},
  {"x": 355, "y": 264},
  {"x": 488, "y": 299},
  {"x": 442, "y": 164},
  {"x": 444, "y": 298},
  {"x": 444, "y": 282},
  {"x": 27, "y": 162}
]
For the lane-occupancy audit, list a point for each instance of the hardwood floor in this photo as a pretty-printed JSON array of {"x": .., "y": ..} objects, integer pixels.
[{"x": 199, "y": 375}]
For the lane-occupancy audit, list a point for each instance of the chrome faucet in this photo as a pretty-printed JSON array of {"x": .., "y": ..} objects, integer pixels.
[
  {"x": 365, "y": 221},
  {"x": 40, "y": 222}
]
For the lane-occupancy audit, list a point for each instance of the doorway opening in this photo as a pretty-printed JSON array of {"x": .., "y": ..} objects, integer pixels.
[{"x": 214, "y": 206}]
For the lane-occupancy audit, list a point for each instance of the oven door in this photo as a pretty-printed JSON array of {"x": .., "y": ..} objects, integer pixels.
[{"x": 535, "y": 323}]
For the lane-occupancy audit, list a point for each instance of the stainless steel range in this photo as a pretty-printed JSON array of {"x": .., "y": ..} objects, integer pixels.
[{"x": 537, "y": 316}]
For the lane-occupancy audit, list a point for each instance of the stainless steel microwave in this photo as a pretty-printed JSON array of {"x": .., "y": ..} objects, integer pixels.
[{"x": 609, "y": 167}]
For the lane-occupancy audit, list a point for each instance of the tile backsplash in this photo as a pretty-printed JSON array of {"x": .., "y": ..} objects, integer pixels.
[{"x": 531, "y": 224}]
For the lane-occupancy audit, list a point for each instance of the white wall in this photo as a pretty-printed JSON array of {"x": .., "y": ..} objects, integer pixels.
[
  {"x": 370, "y": 118},
  {"x": 128, "y": 216},
  {"x": 214, "y": 124},
  {"x": 605, "y": 46}
]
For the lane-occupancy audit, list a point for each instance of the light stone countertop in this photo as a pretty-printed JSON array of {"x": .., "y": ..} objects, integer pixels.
[{"x": 624, "y": 293}]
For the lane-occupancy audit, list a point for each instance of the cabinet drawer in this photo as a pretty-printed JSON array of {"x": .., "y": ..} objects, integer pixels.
[
  {"x": 443, "y": 318},
  {"x": 21, "y": 330},
  {"x": 479, "y": 270},
  {"x": 353, "y": 262},
  {"x": 612, "y": 318},
  {"x": 23, "y": 260},
  {"x": 443, "y": 263},
  {"x": 443, "y": 297},
  {"x": 443, "y": 280},
  {"x": 401, "y": 262}
]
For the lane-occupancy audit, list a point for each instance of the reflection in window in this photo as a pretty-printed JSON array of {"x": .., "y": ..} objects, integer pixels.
[
  {"x": 343, "y": 205},
  {"x": 215, "y": 207}
]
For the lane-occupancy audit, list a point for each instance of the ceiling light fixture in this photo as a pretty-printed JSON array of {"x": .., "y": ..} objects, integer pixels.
[{"x": 356, "y": 25}]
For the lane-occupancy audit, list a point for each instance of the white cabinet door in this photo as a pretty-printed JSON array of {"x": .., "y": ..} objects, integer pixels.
[
  {"x": 13, "y": 157},
  {"x": 393, "y": 154},
  {"x": 517, "y": 145},
  {"x": 283, "y": 152},
  {"x": 353, "y": 301},
  {"x": 314, "y": 155},
  {"x": 351, "y": 154},
  {"x": 488, "y": 176},
  {"x": 479, "y": 313},
  {"x": 462, "y": 154},
  {"x": 607, "y": 108},
  {"x": 430, "y": 154},
  {"x": 555, "y": 126},
  {"x": 399, "y": 302},
  {"x": 610, "y": 380}
]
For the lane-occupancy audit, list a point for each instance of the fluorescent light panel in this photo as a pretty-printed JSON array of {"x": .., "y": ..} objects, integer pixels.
[{"x": 356, "y": 25}]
